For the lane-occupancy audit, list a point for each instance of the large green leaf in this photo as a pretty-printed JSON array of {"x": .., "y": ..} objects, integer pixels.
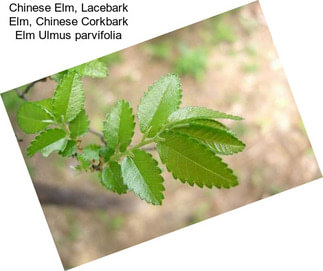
[
  {"x": 118, "y": 128},
  {"x": 161, "y": 99},
  {"x": 48, "y": 141},
  {"x": 94, "y": 69},
  {"x": 190, "y": 113},
  {"x": 111, "y": 178},
  {"x": 219, "y": 140},
  {"x": 142, "y": 175},
  {"x": 68, "y": 97},
  {"x": 32, "y": 118},
  {"x": 80, "y": 125},
  {"x": 192, "y": 162}
]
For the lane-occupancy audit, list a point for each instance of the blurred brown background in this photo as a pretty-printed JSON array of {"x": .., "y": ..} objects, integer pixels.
[{"x": 227, "y": 63}]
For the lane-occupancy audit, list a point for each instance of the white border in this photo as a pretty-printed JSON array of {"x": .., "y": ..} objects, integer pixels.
[{"x": 283, "y": 232}]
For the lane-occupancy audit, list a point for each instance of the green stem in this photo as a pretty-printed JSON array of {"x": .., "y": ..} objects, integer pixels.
[{"x": 143, "y": 142}]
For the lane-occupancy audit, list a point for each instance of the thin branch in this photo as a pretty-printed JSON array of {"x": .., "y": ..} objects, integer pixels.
[
  {"x": 23, "y": 94},
  {"x": 149, "y": 148},
  {"x": 99, "y": 135},
  {"x": 146, "y": 148}
]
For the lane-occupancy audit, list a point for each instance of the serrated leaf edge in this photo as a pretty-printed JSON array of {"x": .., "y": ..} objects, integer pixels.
[
  {"x": 211, "y": 152},
  {"x": 43, "y": 121},
  {"x": 243, "y": 145},
  {"x": 115, "y": 191},
  {"x": 160, "y": 177},
  {"x": 133, "y": 124},
  {"x": 227, "y": 116},
  {"x": 87, "y": 121},
  {"x": 37, "y": 137},
  {"x": 150, "y": 87},
  {"x": 55, "y": 94}
]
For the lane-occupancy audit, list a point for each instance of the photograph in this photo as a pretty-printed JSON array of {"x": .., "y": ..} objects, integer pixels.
[{"x": 161, "y": 135}]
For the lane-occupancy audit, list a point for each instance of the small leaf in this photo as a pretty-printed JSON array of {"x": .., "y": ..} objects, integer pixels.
[
  {"x": 68, "y": 97},
  {"x": 142, "y": 175},
  {"x": 91, "y": 152},
  {"x": 190, "y": 113},
  {"x": 119, "y": 125},
  {"x": 190, "y": 161},
  {"x": 161, "y": 99},
  {"x": 31, "y": 117},
  {"x": 94, "y": 69},
  {"x": 219, "y": 140},
  {"x": 80, "y": 125},
  {"x": 69, "y": 150},
  {"x": 48, "y": 141},
  {"x": 84, "y": 164},
  {"x": 111, "y": 178}
]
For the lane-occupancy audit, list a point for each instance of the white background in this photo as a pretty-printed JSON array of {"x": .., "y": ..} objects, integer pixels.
[{"x": 283, "y": 232}]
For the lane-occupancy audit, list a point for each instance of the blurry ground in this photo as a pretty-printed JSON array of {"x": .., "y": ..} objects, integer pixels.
[{"x": 227, "y": 63}]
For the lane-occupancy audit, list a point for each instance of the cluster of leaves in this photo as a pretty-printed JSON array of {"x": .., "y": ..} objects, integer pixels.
[{"x": 189, "y": 140}]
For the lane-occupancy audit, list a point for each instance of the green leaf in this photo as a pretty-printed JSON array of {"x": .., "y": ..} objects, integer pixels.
[
  {"x": 106, "y": 153},
  {"x": 194, "y": 163},
  {"x": 11, "y": 100},
  {"x": 91, "y": 152},
  {"x": 48, "y": 141},
  {"x": 84, "y": 164},
  {"x": 32, "y": 118},
  {"x": 190, "y": 113},
  {"x": 47, "y": 105},
  {"x": 211, "y": 123},
  {"x": 58, "y": 77},
  {"x": 142, "y": 175},
  {"x": 161, "y": 99},
  {"x": 219, "y": 140},
  {"x": 69, "y": 97},
  {"x": 94, "y": 69},
  {"x": 80, "y": 125},
  {"x": 118, "y": 128},
  {"x": 69, "y": 150},
  {"x": 214, "y": 124},
  {"x": 111, "y": 178}
]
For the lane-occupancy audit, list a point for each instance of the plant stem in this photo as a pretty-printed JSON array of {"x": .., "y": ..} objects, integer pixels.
[
  {"x": 142, "y": 143},
  {"x": 99, "y": 135},
  {"x": 23, "y": 94}
]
